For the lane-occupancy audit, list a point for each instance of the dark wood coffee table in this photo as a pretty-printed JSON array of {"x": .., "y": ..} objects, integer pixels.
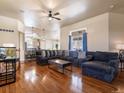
[{"x": 60, "y": 64}]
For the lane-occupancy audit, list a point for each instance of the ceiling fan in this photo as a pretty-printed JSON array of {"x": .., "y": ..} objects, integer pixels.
[
  {"x": 53, "y": 15},
  {"x": 48, "y": 14}
]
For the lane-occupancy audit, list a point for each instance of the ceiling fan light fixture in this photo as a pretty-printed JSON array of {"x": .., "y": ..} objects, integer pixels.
[{"x": 50, "y": 18}]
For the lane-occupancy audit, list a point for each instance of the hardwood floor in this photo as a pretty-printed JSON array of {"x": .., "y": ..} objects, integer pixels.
[{"x": 32, "y": 78}]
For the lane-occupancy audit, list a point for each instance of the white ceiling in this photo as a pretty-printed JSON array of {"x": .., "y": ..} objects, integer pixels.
[{"x": 71, "y": 10}]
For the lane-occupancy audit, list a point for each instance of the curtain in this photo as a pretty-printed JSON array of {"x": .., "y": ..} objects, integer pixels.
[
  {"x": 84, "y": 41},
  {"x": 69, "y": 46}
]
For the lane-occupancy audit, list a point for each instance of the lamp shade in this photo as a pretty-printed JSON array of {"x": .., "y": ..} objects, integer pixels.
[{"x": 120, "y": 46}]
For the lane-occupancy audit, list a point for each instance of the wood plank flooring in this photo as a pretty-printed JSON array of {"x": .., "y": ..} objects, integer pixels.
[{"x": 32, "y": 78}]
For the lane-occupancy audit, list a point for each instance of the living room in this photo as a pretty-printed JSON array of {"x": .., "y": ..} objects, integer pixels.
[{"x": 60, "y": 46}]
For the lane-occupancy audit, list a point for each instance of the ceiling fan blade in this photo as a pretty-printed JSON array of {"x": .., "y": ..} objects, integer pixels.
[
  {"x": 56, "y": 18},
  {"x": 38, "y": 10},
  {"x": 57, "y": 13}
]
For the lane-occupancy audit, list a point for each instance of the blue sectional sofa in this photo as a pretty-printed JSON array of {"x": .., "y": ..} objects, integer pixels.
[
  {"x": 100, "y": 65},
  {"x": 42, "y": 56},
  {"x": 103, "y": 65}
]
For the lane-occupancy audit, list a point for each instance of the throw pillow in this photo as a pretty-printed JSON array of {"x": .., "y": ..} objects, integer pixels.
[
  {"x": 43, "y": 53},
  {"x": 56, "y": 53},
  {"x": 48, "y": 53},
  {"x": 81, "y": 54},
  {"x": 60, "y": 52}
]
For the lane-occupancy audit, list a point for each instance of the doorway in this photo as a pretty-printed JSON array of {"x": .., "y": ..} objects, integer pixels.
[{"x": 78, "y": 40}]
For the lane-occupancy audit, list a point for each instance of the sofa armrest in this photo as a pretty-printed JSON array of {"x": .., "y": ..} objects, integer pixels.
[
  {"x": 114, "y": 63},
  {"x": 82, "y": 60},
  {"x": 89, "y": 57}
]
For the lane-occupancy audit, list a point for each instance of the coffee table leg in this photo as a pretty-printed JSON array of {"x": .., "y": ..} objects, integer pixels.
[{"x": 63, "y": 70}]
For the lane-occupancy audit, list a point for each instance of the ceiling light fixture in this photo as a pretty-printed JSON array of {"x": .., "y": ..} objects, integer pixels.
[{"x": 50, "y": 18}]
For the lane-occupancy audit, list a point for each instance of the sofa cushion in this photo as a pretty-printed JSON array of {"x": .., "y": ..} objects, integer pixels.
[
  {"x": 73, "y": 54},
  {"x": 105, "y": 56},
  {"x": 99, "y": 56},
  {"x": 52, "y": 53},
  {"x": 99, "y": 66},
  {"x": 44, "y": 53},
  {"x": 112, "y": 55},
  {"x": 60, "y": 52},
  {"x": 66, "y": 53}
]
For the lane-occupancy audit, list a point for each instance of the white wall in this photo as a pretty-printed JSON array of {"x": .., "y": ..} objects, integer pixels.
[
  {"x": 11, "y": 37},
  {"x": 116, "y": 30},
  {"x": 97, "y": 29}
]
